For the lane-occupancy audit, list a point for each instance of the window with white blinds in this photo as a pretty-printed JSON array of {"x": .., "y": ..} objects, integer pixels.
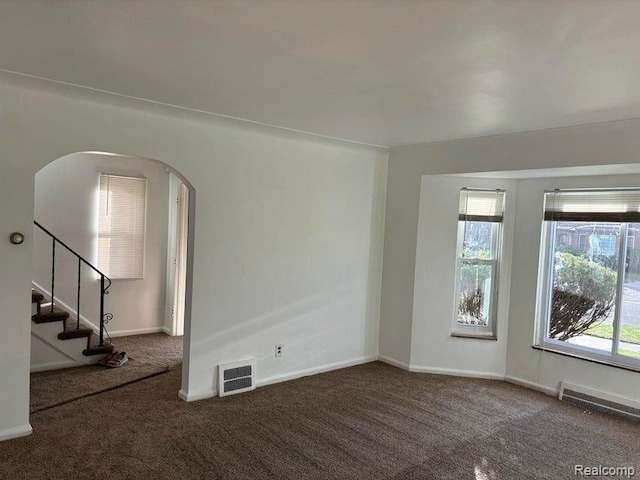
[
  {"x": 122, "y": 210},
  {"x": 481, "y": 205},
  {"x": 615, "y": 205}
]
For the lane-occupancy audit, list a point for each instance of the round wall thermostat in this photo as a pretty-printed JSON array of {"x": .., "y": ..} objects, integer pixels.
[{"x": 16, "y": 238}]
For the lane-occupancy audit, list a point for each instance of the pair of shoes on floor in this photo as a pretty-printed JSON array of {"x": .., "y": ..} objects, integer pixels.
[{"x": 116, "y": 359}]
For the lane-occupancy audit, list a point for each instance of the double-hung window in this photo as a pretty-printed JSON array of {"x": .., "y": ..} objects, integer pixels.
[
  {"x": 121, "y": 225},
  {"x": 589, "y": 303},
  {"x": 480, "y": 216}
]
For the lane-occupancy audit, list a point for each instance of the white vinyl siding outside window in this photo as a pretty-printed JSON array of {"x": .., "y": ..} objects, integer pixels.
[
  {"x": 121, "y": 226},
  {"x": 480, "y": 218}
]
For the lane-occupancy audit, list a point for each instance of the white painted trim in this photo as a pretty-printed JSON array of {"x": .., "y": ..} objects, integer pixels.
[
  {"x": 198, "y": 111},
  {"x": 167, "y": 331},
  {"x": 69, "y": 309},
  {"x": 15, "y": 432},
  {"x": 393, "y": 362},
  {"x": 532, "y": 385},
  {"x": 96, "y": 329},
  {"x": 136, "y": 331},
  {"x": 194, "y": 397},
  {"x": 44, "y": 367},
  {"x": 456, "y": 373},
  {"x": 261, "y": 382}
]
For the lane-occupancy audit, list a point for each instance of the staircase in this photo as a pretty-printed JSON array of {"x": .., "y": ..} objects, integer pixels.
[
  {"x": 56, "y": 327},
  {"x": 70, "y": 328}
]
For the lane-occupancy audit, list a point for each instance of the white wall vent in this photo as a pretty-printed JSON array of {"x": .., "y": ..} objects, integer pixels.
[
  {"x": 236, "y": 377},
  {"x": 600, "y": 401}
]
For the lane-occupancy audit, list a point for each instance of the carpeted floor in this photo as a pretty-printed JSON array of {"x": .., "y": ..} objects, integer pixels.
[
  {"x": 373, "y": 421},
  {"x": 149, "y": 355}
]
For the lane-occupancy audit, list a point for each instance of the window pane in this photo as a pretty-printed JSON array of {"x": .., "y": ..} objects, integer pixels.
[
  {"x": 121, "y": 226},
  {"x": 478, "y": 240},
  {"x": 629, "y": 344},
  {"x": 474, "y": 293},
  {"x": 584, "y": 279}
]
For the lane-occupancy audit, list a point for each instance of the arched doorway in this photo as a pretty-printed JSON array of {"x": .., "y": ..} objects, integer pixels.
[{"x": 90, "y": 266}]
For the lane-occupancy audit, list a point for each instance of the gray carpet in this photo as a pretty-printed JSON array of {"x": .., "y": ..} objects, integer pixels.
[
  {"x": 149, "y": 355},
  {"x": 367, "y": 422}
]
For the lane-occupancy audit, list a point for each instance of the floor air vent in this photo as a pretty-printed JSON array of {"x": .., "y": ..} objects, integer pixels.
[
  {"x": 236, "y": 377},
  {"x": 600, "y": 401}
]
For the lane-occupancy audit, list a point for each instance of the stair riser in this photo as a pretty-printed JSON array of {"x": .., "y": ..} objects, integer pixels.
[
  {"x": 48, "y": 319},
  {"x": 70, "y": 334},
  {"x": 73, "y": 343},
  {"x": 72, "y": 347}
]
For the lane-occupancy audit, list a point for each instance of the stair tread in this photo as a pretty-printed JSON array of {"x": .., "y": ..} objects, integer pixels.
[{"x": 46, "y": 315}]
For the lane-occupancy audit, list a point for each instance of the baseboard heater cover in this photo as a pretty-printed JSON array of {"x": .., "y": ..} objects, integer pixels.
[
  {"x": 600, "y": 401},
  {"x": 236, "y": 377}
]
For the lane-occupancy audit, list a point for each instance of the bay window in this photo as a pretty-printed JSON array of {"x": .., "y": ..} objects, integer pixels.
[{"x": 589, "y": 302}]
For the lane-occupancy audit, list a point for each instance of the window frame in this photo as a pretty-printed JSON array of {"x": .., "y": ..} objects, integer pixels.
[
  {"x": 545, "y": 296},
  {"x": 582, "y": 241},
  {"x": 488, "y": 331},
  {"x": 107, "y": 272}
]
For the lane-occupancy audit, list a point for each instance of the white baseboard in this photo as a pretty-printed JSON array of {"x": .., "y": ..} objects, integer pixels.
[
  {"x": 261, "y": 382},
  {"x": 194, "y": 397},
  {"x": 393, "y": 362},
  {"x": 554, "y": 392},
  {"x": 43, "y": 367},
  {"x": 15, "y": 432},
  {"x": 68, "y": 308},
  {"x": 456, "y": 373},
  {"x": 136, "y": 331},
  {"x": 96, "y": 328}
]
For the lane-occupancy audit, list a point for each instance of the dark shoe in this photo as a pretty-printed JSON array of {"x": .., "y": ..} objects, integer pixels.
[
  {"x": 117, "y": 360},
  {"x": 106, "y": 359}
]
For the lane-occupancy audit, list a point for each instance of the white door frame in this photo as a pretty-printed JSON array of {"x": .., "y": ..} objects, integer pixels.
[{"x": 176, "y": 256}]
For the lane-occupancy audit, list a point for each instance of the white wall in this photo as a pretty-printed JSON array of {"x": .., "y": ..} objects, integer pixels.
[
  {"x": 433, "y": 349},
  {"x": 525, "y": 364},
  {"x": 604, "y": 148},
  {"x": 45, "y": 357},
  {"x": 66, "y": 204},
  {"x": 288, "y": 232}
]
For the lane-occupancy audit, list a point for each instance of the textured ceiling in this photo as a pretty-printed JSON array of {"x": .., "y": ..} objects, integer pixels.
[{"x": 381, "y": 72}]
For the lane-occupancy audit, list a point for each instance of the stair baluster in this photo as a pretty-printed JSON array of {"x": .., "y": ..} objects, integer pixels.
[
  {"x": 53, "y": 271},
  {"x": 105, "y": 284},
  {"x": 78, "y": 304}
]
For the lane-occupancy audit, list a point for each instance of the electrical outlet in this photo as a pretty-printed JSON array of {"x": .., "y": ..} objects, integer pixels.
[{"x": 278, "y": 350}]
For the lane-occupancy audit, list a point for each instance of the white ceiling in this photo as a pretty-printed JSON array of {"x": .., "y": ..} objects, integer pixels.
[{"x": 382, "y": 72}]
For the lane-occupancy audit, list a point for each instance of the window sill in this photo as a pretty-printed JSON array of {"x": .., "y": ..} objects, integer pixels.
[
  {"x": 629, "y": 368},
  {"x": 477, "y": 336}
]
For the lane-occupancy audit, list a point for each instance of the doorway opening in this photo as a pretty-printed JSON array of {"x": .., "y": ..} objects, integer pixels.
[{"x": 113, "y": 237}]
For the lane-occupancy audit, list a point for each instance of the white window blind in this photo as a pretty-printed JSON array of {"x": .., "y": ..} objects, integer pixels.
[
  {"x": 619, "y": 205},
  {"x": 121, "y": 226},
  {"x": 481, "y": 205}
]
